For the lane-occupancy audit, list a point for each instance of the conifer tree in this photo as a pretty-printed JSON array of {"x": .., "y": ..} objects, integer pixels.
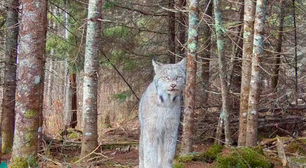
[
  {"x": 225, "y": 112},
  {"x": 8, "y": 113},
  {"x": 191, "y": 68},
  {"x": 90, "y": 83},
  {"x": 29, "y": 91},
  {"x": 255, "y": 90}
]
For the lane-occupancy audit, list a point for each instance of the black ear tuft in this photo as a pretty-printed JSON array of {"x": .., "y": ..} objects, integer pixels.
[
  {"x": 154, "y": 58},
  {"x": 155, "y": 64}
]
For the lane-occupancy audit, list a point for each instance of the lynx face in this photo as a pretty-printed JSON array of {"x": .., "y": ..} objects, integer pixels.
[{"x": 169, "y": 78}]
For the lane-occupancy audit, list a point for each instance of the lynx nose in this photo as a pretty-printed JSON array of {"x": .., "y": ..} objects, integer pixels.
[{"x": 173, "y": 85}]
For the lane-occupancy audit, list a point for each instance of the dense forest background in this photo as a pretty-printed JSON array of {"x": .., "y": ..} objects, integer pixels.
[{"x": 247, "y": 89}]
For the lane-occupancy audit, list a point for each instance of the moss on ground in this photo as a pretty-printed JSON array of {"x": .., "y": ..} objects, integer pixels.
[
  {"x": 211, "y": 154},
  {"x": 243, "y": 158},
  {"x": 187, "y": 158},
  {"x": 208, "y": 156},
  {"x": 178, "y": 165},
  {"x": 232, "y": 158}
]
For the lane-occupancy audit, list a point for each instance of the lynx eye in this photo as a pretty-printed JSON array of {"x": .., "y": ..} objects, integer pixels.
[
  {"x": 166, "y": 78},
  {"x": 179, "y": 78}
]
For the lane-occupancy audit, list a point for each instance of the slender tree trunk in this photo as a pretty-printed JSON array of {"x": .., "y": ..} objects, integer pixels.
[
  {"x": 29, "y": 91},
  {"x": 219, "y": 131},
  {"x": 181, "y": 28},
  {"x": 73, "y": 120},
  {"x": 235, "y": 67},
  {"x": 90, "y": 84},
  {"x": 222, "y": 73},
  {"x": 71, "y": 89},
  {"x": 171, "y": 40},
  {"x": 8, "y": 113},
  {"x": 254, "y": 96},
  {"x": 248, "y": 24},
  {"x": 68, "y": 95},
  {"x": 49, "y": 69},
  {"x": 281, "y": 17},
  {"x": 189, "y": 97},
  {"x": 295, "y": 52},
  {"x": 49, "y": 86},
  {"x": 206, "y": 55},
  {"x": 68, "y": 89}
]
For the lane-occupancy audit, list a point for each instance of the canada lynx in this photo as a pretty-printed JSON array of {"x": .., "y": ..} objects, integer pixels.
[{"x": 159, "y": 115}]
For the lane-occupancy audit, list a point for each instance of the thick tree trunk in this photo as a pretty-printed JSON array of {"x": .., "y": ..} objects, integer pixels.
[
  {"x": 171, "y": 30},
  {"x": 254, "y": 96},
  {"x": 248, "y": 22},
  {"x": 281, "y": 17},
  {"x": 181, "y": 28},
  {"x": 29, "y": 91},
  {"x": 222, "y": 73},
  {"x": 90, "y": 83},
  {"x": 8, "y": 113},
  {"x": 189, "y": 97},
  {"x": 206, "y": 55}
]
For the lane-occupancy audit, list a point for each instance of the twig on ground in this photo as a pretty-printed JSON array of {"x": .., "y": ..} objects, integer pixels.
[
  {"x": 48, "y": 159},
  {"x": 93, "y": 152}
]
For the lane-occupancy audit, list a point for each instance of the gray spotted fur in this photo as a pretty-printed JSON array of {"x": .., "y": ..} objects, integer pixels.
[{"x": 159, "y": 115}]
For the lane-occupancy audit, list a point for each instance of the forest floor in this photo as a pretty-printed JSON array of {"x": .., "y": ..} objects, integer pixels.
[{"x": 119, "y": 148}]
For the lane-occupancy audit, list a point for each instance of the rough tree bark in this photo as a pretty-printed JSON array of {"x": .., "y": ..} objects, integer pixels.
[
  {"x": 29, "y": 91},
  {"x": 8, "y": 113},
  {"x": 171, "y": 32},
  {"x": 90, "y": 83},
  {"x": 254, "y": 95},
  {"x": 248, "y": 26},
  {"x": 281, "y": 18},
  {"x": 189, "y": 97},
  {"x": 222, "y": 73}
]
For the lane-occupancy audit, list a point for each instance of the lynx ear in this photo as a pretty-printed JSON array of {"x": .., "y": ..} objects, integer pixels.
[
  {"x": 182, "y": 63},
  {"x": 155, "y": 64}
]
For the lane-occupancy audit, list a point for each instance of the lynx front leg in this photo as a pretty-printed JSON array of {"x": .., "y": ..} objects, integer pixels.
[
  {"x": 150, "y": 149},
  {"x": 141, "y": 164},
  {"x": 170, "y": 141}
]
